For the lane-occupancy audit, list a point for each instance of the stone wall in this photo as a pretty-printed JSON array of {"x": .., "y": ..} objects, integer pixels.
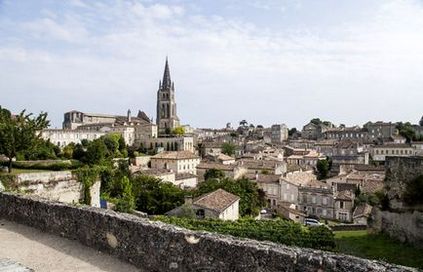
[
  {"x": 60, "y": 186},
  {"x": 155, "y": 246},
  {"x": 405, "y": 226}
]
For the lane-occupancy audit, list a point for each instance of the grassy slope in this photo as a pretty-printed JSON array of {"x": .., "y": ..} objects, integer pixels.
[
  {"x": 20, "y": 171},
  {"x": 379, "y": 247}
]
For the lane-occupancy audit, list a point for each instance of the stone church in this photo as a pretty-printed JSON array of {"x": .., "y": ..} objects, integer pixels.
[{"x": 167, "y": 118}]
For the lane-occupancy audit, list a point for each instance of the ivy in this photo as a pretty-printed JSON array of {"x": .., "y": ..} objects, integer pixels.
[
  {"x": 9, "y": 182},
  {"x": 87, "y": 176}
]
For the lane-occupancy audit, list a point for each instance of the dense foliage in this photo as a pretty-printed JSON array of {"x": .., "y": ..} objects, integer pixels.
[
  {"x": 154, "y": 196},
  {"x": 322, "y": 169},
  {"x": 278, "y": 230},
  {"x": 54, "y": 165},
  {"x": 19, "y": 133},
  {"x": 408, "y": 131},
  {"x": 228, "y": 149},
  {"x": 213, "y": 174},
  {"x": 101, "y": 151},
  {"x": 251, "y": 199},
  {"x": 413, "y": 194}
]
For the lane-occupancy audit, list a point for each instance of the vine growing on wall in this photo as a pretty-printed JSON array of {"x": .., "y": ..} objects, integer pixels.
[
  {"x": 9, "y": 182},
  {"x": 87, "y": 176}
]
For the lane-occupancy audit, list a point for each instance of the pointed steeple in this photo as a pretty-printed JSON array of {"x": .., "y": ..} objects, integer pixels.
[{"x": 166, "y": 83}]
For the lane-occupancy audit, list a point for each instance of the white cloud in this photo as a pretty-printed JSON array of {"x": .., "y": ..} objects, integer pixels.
[{"x": 224, "y": 69}]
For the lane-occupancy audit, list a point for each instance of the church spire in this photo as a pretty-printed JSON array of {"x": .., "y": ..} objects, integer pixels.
[{"x": 166, "y": 76}]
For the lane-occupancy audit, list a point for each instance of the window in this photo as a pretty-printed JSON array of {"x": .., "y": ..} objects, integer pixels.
[
  {"x": 287, "y": 186},
  {"x": 292, "y": 197},
  {"x": 200, "y": 214},
  {"x": 341, "y": 204},
  {"x": 313, "y": 199},
  {"x": 325, "y": 201},
  {"x": 324, "y": 213}
]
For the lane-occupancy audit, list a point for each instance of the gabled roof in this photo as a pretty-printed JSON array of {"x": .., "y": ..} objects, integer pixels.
[
  {"x": 218, "y": 200},
  {"x": 362, "y": 210}
]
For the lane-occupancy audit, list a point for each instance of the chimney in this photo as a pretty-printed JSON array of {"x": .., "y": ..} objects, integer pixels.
[{"x": 188, "y": 200}]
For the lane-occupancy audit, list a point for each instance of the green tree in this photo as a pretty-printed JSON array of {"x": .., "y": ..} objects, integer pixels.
[
  {"x": 68, "y": 150},
  {"x": 19, "y": 133},
  {"x": 251, "y": 200},
  {"x": 96, "y": 152},
  {"x": 322, "y": 169},
  {"x": 154, "y": 196},
  {"x": 228, "y": 149},
  {"x": 179, "y": 131},
  {"x": 407, "y": 131},
  {"x": 213, "y": 173},
  {"x": 292, "y": 131},
  {"x": 413, "y": 194},
  {"x": 126, "y": 202}
]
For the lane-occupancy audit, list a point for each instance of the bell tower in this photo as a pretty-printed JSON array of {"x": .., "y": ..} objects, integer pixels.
[{"x": 167, "y": 118}]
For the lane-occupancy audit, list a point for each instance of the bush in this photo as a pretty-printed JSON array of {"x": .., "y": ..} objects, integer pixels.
[
  {"x": 413, "y": 194},
  {"x": 54, "y": 165},
  {"x": 278, "y": 230}
]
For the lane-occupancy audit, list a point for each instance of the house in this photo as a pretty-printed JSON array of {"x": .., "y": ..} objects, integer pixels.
[
  {"x": 344, "y": 203},
  {"x": 177, "y": 161},
  {"x": 279, "y": 133},
  {"x": 290, "y": 212},
  {"x": 316, "y": 198},
  {"x": 354, "y": 133},
  {"x": 270, "y": 186},
  {"x": 382, "y": 130},
  {"x": 218, "y": 204},
  {"x": 362, "y": 213},
  {"x": 380, "y": 152}
]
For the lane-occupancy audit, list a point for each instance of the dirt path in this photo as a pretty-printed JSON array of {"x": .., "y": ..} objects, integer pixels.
[{"x": 45, "y": 252}]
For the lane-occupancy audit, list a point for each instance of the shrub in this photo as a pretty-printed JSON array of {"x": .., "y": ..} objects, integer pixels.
[{"x": 278, "y": 230}]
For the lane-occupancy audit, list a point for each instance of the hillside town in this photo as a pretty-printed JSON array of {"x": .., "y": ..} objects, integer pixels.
[
  {"x": 324, "y": 170},
  {"x": 335, "y": 177}
]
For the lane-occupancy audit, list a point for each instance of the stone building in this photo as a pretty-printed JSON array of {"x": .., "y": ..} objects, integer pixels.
[
  {"x": 177, "y": 161},
  {"x": 353, "y": 133},
  {"x": 217, "y": 204},
  {"x": 279, "y": 133},
  {"x": 63, "y": 137},
  {"x": 382, "y": 130},
  {"x": 344, "y": 204},
  {"x": 167, "y": 118},
  {"x": 316, "y": 198},
  {"x": 380, "y": 152}
]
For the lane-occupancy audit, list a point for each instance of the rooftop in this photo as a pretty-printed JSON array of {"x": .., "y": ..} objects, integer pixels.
[
  {"x": 175, "y": 155},
  {"x": 218, "y": 200}
]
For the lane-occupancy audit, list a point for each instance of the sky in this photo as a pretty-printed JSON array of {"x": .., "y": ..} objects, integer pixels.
[{"x": 273, "y": 61}]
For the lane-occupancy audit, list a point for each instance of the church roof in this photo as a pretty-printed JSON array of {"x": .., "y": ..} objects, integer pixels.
[{"x": 167, "y": 83}]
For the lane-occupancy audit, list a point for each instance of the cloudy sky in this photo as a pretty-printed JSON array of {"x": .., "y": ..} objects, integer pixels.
[{"x": 266, "y": 61}]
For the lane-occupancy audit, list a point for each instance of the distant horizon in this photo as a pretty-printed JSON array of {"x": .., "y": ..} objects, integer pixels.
[{"x": 266, "y": 62}]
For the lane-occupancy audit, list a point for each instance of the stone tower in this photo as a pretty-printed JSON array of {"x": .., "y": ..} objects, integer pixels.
[{"x": 166, "y": 119}]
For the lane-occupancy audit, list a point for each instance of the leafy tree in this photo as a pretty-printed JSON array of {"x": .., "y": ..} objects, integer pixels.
[
  {"x": 322, "y": 169},
  {"x": 19, "y": 133},
  {"x": 213, "y": 173},
  {"x": 96, "y": 152},
  {"x": 407, "y": 131},
  {"x": 316, "y": 121},
  {"x": 250, "y": 198},
  {"x": 68, "y": 151},
  {"x": 228, "y": 149},
  {"x": 179, "y": 131},
  {"x": 154, "y": 196},
  {"x": 292, "y": 131},
  {"x": 243, "y": 123},
  {"x": 413, "y": 194},
  {"x": 78, "y": 152},
  {"x": 421, "y": 122},
  {"x": 126, "y": 202}
]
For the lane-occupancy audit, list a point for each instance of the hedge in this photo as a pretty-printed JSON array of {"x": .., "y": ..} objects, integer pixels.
[{"x": 277, "y": 230}]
